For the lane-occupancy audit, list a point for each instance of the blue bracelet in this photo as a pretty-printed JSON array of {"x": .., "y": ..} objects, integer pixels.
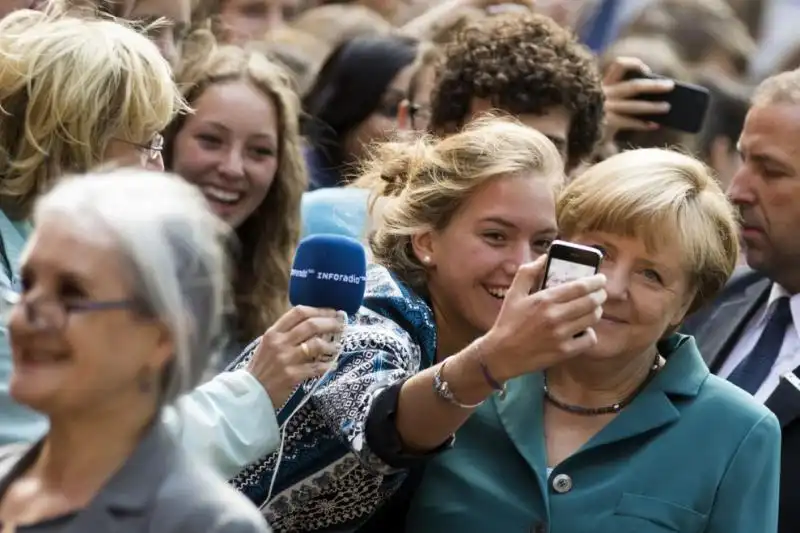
[{"x": 487, "y": 375}]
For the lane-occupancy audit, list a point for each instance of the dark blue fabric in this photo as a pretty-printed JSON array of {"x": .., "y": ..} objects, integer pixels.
[
  {"x": 755, "y": 368},
  {"x": 597, "y": 33},
  {"x": 321, "y": 173},
  {"x": 391, "y": 338}
]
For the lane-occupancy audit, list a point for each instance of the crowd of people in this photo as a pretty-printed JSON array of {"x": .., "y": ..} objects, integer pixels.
[{"x": 162, "y": 159}]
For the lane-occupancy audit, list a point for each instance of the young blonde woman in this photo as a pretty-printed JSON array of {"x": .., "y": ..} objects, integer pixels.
[
  {"x": 428, "y": 298},
  {"x": 241, "y": 148}
]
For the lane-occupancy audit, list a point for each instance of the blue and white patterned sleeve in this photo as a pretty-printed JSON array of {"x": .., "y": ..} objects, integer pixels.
[{"x": 376, "y": 354}]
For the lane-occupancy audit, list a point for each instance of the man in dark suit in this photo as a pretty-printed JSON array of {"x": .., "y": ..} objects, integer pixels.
[{"x": 750, "y": 334}]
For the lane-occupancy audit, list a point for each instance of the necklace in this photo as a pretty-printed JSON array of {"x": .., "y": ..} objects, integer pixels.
[{"x": 609, "y": 409}]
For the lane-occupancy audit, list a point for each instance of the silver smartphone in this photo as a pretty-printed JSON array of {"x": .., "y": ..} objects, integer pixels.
[{"x": 568, "y": 261}]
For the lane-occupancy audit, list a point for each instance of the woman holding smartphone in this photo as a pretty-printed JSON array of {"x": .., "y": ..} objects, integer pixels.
[
  {"x": 633, "y": 434},
  {"x": 461, "y": 217}
]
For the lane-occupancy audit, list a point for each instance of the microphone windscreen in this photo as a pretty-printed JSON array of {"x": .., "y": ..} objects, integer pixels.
[{"x": 329, "y": 271}]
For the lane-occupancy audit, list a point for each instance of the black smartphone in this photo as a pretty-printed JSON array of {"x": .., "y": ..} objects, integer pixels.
[
  {"x": 568, "y": 261},
  {"x": 688, "y": 104}
]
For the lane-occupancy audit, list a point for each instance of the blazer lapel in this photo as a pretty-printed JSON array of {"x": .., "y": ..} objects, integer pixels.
[
  {"x": 522, "y": 414},
  {"x": 725, "y": 325},
  {"x": 683, "y": 375},
  {"x": 123, "y": 504}
]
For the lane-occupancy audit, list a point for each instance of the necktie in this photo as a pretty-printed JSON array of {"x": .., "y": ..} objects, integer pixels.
[
  {"x": 755, "y": 368},
  {"x": 601, "y": 25}
]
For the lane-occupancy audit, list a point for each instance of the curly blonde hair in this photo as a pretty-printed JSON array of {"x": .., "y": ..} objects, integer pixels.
[
  {"x": 427, "y": 181},
  {"x": 269, "y": 236},
  {"x": 68, "y": 87}
]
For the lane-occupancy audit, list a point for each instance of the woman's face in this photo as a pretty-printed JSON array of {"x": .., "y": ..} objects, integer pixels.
[
  {"x": 71, "y": 361},
  {"x": 504, "y": 224},
  {"x": 229, "y": 148},
  {"x": 648, "y": 292},
  {"x": 251, "y": 20},
  {"x": 381, "y": 124}
]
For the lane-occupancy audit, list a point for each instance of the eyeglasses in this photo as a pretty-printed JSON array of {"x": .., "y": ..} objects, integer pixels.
[
  {"x": 152, "y": 150},
  {"x": 52, "y": 315}
]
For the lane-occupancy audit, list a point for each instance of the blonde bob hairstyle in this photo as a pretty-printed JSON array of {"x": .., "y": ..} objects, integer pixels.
[
  {"x": 269, "y": 236},
  {"x": 68, "y": 87},
  {"x": 658, "y": 195},
  {"x": 427, "y": 181}
]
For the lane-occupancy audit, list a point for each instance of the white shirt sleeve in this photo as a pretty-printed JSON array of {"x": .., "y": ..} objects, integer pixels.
[{"x": 228, "y": 422}]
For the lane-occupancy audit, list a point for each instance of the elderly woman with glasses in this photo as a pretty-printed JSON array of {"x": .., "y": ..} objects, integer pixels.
[
  {"x": 68, "y": 105},
  {"x": 110, "y": 326}
]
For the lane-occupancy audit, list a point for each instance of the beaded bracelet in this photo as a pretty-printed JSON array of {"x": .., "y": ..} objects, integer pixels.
[{"x": 498, "y": 387}]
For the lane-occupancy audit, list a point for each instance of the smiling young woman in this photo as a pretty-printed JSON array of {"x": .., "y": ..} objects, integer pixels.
[
  {"x": 462, "y": 217},
  {"x": 241, "y": 147}
]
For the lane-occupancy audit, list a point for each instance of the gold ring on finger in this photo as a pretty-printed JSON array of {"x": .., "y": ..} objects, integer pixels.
[{"x": 306, "y": 351}]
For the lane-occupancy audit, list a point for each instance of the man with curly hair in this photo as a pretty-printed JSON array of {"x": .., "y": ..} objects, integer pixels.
[{"x": 527, "y": 66}]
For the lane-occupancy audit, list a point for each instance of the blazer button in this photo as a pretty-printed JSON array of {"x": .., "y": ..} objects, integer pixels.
[{"x": 562, "y": 483}]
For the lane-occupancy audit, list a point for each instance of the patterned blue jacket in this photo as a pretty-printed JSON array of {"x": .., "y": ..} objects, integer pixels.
[{"x": 329, "y": 479}]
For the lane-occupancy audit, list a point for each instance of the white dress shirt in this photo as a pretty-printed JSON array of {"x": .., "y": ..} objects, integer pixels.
[
  {"x": 789, "y": 356},
  {"x": 228, "y": 422}
]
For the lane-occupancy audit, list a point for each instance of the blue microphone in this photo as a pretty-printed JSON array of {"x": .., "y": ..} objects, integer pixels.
[{"x": 329, "y": 271}]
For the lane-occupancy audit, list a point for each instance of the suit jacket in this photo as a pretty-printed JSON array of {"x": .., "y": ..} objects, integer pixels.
[
  {"x": 717, "y": 329},
  {"x": 691, "y": 454},
  {"x": 157, "y": 490}
]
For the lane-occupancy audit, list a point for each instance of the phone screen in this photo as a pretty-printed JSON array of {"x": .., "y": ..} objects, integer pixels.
[{"x": 561, "y": 271}]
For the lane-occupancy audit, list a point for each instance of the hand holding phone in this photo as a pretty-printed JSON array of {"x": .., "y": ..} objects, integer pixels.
[
  {"x": 539, "y": 328},
  {"x": 623, "y": 106},
  {"x": 688, "y": 103}
]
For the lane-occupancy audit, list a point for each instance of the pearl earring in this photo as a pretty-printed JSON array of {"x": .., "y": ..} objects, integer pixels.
[{"x": 426, "y": 259}]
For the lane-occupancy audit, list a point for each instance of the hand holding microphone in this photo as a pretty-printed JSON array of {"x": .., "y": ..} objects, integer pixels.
[
  {"x": 294, "y": 350},
  {"x": 327, "y": 283}
]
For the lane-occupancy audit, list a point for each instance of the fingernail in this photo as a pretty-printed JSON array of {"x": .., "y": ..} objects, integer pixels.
[
  {"x": 664, "y": 106},
  {"x": 341, "y": 316}
]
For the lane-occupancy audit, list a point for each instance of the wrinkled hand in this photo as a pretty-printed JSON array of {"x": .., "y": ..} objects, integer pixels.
[
  {"x": 621, "y": 107},
  {"x": 536, "y": 331},
  {"x": 294, "y": 350}
]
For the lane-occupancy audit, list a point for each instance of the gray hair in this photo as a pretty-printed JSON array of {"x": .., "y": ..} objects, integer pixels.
[
  {"x": 175, "y": 249},
  {"x": 782, "y": 88}
]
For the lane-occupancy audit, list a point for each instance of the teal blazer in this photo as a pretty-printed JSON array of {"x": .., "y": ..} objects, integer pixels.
[{"x": 691, "y": 454}]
